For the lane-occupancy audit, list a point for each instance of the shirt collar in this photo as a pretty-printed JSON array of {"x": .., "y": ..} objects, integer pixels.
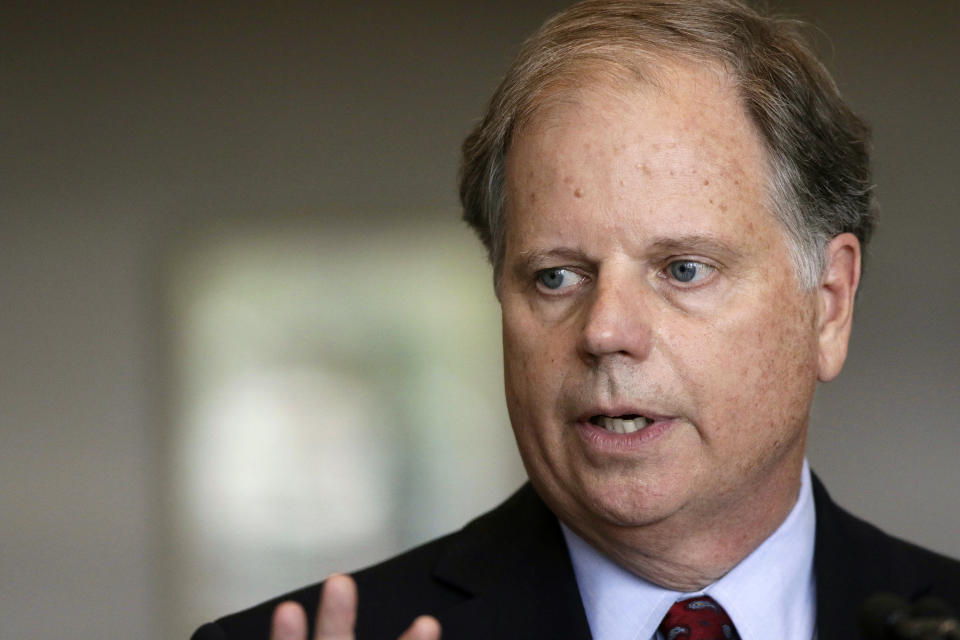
[{"x": 769, "y": 594}]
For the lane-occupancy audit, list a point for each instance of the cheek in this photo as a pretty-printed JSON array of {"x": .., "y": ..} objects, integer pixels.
[
  {"x": 520, "y": 359},
  {"x": 534, "y": 365},
  {"x": 529, "y": 343},
  {"x": 762, "y": 369}
]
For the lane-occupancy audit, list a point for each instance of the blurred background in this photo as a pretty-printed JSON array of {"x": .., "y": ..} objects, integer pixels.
[{"x": 245, "y": 341}]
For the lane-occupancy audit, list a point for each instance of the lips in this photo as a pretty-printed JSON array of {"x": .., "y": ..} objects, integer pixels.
[
  {"x": 621, "y": 429},
  {"x": 628, "y": 423}
]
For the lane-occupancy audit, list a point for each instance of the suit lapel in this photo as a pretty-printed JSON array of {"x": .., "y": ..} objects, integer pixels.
[
  {"x": 515, "y": 566},
  {"x": 837, "y": 586}
]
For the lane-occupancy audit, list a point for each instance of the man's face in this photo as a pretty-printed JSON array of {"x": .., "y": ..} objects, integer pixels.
[{"x": 647, "y": 288}]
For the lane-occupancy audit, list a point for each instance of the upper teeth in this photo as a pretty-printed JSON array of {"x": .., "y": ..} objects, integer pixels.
[{"x": 621, "y": 425}]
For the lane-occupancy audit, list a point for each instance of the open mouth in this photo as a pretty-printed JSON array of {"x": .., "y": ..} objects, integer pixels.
[{"x": 628, "y": 423}]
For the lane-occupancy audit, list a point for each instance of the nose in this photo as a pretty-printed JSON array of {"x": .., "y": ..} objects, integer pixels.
[{"x": 617, "y": 319}]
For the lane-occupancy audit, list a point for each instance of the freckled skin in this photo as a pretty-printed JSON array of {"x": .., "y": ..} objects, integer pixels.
[{"x": 732, "y": 361}]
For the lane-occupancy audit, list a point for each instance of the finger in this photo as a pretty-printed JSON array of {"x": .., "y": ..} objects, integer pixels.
[
  {"x": 338, "y": 609},
  {"x": 423, "y": 628},
  {"x": 289, "y": 622}
]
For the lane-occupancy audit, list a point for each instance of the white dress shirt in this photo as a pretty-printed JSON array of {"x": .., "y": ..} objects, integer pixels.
[{"x": 770, "y": 594}]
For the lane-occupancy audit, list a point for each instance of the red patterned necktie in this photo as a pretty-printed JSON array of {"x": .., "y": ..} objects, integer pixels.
[{"x": 699, "y": 618}]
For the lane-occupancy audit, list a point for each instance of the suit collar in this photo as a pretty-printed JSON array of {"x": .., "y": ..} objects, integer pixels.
[{"x": 514, "y": 563}]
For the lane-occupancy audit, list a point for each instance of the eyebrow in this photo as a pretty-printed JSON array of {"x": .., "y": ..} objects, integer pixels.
[
  {"x": 534, "y": 259},
  {"x": 697, "y": 243}
]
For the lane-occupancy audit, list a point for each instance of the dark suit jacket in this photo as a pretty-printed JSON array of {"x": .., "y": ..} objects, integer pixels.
[{"x": 507, "y": 574}]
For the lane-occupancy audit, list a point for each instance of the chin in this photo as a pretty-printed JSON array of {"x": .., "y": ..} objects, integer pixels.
[
  {"x": 623, "y": 506},
  {"x": 612, "y": 504}
]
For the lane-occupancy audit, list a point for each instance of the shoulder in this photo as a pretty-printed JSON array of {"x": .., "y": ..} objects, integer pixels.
[
  {"x": 439, "y": 578},
  {"x": 854, "y": 560},
  {"x": 406, "y": 573},
  {"x": 878, "y": 556}
]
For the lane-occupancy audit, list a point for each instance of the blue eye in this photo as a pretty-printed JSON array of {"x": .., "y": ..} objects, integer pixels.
[
  {"x": 688, "y": 271},
  {"x": 558, "y": 278}
]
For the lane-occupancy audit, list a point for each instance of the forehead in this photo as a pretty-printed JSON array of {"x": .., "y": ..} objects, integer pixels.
[
  {"x": 673, "y": 155},
  {"x": 675, "y": 96}
]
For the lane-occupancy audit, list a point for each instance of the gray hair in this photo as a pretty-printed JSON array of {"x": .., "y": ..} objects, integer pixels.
[{"x": 818, "y": 148}]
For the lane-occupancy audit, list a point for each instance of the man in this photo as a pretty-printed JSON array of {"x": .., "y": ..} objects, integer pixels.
[{"x": 674, "y": 199}]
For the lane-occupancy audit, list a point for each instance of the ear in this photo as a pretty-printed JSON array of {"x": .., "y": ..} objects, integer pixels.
[{"x": 838, "y": 288}]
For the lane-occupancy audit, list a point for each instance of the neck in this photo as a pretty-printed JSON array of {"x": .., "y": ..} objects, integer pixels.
[{"x": 689, "y": 551}]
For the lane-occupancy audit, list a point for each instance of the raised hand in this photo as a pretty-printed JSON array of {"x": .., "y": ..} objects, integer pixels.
[{"x": 337, "y": 615}]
